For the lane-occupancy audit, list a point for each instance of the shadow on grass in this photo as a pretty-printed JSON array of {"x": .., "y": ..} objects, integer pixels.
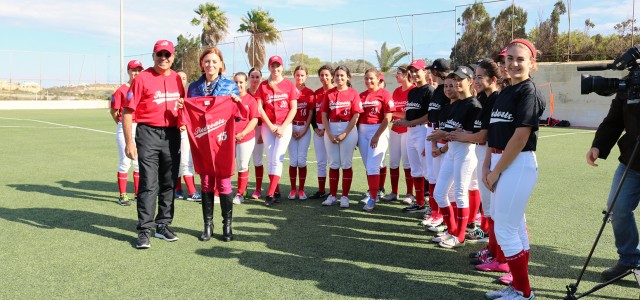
[
  {"x": 63, "y": 192},
  {"x": 93, "y": 185}
]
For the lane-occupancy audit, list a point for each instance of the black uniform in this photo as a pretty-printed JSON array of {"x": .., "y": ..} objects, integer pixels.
[
  {"x": 487, "y": 105},
  {"x": 463, "y": 114},
  {"x": 436, "y": 104},
  {"x": 418, "y": 102}
]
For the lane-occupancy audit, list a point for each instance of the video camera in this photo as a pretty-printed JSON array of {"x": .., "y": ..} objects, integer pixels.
[{"x": 609, "y": 86}]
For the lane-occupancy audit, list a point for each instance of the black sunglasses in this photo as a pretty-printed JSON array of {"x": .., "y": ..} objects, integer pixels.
[{"x": 164, "y": 54}]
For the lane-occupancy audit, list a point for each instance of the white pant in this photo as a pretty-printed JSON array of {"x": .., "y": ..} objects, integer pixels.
[
  {"x": 258, "y": 149},
  {"x": 415, "y": 146},
  {"x": 457, "y": 167},
  {"x": 341, "y": 155},
  {"x": 276, "y": 148},
  {"x": 124, "y": 162},
  {"x": 397, "y": 150},
  {"x": 299, "y": 149},
  {"x": 243, "y": 155},
  {"x": 321, "y": 153},
  {"x": 432, "y": 176},
  {"x": 485, "y": 193},
  {"x": 509, "y": 201},
  {"x": 186, "y": 160},
  {"x": 372, "y": 157},
  {"x": 436, "y": 162}
]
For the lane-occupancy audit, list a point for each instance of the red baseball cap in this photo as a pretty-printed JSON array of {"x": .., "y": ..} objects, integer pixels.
[
  {"x": 526, "y": 43},
  {"x": 134, "y": 64},
  {"x": 418, "y": 64},
  {"x": 163, "y": 45},
  {"x": 503, "y": 52},
  {"x": 381, "y": 76},
  {"x": 275, "y": 58}
]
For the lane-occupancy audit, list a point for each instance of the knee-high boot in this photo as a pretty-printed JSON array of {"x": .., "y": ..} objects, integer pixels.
[
  {"x": 207, "y": 215},
  {"x": 226, "y": 205}
]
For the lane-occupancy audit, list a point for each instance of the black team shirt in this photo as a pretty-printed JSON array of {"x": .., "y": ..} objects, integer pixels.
[
  {"x": 464, "y": 114},
  {"x": 516, "y": 106},
  {"x": 418, "y": 102},
  {"x": 436, "y": 104},
  {"x": 487, "y": 105}
]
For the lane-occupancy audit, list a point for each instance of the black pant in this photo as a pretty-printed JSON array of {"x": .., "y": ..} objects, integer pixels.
[{"x": 159, "y": 160}]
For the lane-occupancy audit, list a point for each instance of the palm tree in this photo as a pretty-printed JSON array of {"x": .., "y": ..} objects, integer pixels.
[
  {"x": 260, "y": 25},
  {"x": 387, "y": 58},
  {"x": 214, "y": 23}
]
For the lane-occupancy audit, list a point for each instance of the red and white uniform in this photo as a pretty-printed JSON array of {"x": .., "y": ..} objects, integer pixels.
[
  {"x": 397, "y": 137},
  {"x": 340, "y": 107},
  {"x": 244, "y": 148},
  {"x": 299, "y": 149},
  {"x": 318, "y": 141},
  {"x": 117, "y": 101},
  {"x": 375, "y": 105},
  {"x": 153, "y": 98},
  {"x": 276, "y": 105}
]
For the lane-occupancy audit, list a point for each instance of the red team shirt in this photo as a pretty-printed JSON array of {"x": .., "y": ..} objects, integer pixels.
[
  {"x": 400, "y": 99},
  {"x": 319, "y": 99},
  {"x": 276, "y": 104},
  {"x": 341, "y": 105},
  {"x": 117, "y": 101},
  {"x": 211, "y": 128},
  {"x": 153, "y": 98},
  {"x": 305, "y": 104},
  {"x": 252, "y": 107},
  {"x": 375, "y": 105}
]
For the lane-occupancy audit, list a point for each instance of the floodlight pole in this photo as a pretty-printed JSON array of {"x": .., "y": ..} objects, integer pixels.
[{"x": 121, "y": 42}]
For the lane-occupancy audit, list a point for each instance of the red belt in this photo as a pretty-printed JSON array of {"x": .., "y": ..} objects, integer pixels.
[
  {"x": 430, "y": 124},
  {"x": 338, "y": 120},
  {"x": 496, "y": 151},
  {"x": 481, "y": 144},
  {"x": 298, "y": 123}
]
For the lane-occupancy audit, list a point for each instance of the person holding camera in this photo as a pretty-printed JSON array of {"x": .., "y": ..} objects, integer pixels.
[{"x": 621, "y": 117}]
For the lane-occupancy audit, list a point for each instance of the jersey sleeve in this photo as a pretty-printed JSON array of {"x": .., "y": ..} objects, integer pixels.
[
  {"x": 356, "y": 104},
  {"x": 528, "y": 108},
  {"x": 135, "y": 93},
  {"x": 387, "y": 102},
  {"x": 473, "y": 115},
  {"x": 116, "y": 100}
]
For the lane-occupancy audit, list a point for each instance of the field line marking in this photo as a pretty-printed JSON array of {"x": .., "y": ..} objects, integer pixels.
[
  {"x": 61, "y": 125},
  {"x": 560, "y": 134}
]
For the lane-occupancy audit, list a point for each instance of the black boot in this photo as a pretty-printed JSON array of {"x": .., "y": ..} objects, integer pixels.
[
  {"x": 207, "y": 215},
  {"x": 226, "y": 203}
]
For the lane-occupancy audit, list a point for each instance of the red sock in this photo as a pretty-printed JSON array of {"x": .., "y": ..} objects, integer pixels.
[
  {"x": 293, "y": 174},
  {"x": 178, "y": 187},
  {"x": 498, "y": 255},
  {"x": 322, "y": 181},
  {"x": 395, "y": 177},
  {"x": 418, "y": 183},
  {"x": 455, "y": 210},
  {"x": 409, "y": 180},
  {"x": 463, "y": 220},
  {"x": 474, "y": 203},
  {"x": 259, "y": 174},
  {"x": 273, "y": 184},
  {"x": 383, "y": 177},
  {"x": 303, "y": 177},
  {"x": 347, "y": 177},
  {"x": 191, "y": 185},
  {"x": 334, "y": 178},
  {"x": 243, "y": 179},
  {"x": 373, "y": 181},
  {"x": 519, "y": 266},
  {"x": 435, "y": 210},
  {"x": 492, "y": 245},
  {"x": 484, "y": 225},
  {"x": 122, "y": 182},
  {"x": 136, "y": 182},
  {"x": 449, "y": 219}
]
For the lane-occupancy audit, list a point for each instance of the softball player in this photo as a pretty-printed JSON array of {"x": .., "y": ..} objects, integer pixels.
[
  {"x": 416, "y": 119},
  {"x": 186, "y": 162},
  {"x": 510, "y": 169},
  {"x": 277, "y": 103},
  {"x": 398, "y": 139},
  {"x": 301, "y": 136},
  {"x": 325, "y": 73},
  {"x": 340, "y": 111},
  {"x": 460, "y": 161},
  {"x": 255, "y": 77},
  {"x": 245, "y": 136},
  {"x": 134, "y": 67},
  {"x": 373, "y": 133}
]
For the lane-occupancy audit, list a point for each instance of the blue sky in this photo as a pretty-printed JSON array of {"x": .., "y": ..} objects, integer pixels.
[{"x": 86, "y": 33}]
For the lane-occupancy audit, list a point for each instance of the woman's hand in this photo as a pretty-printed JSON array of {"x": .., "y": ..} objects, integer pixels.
[
  {"x": 235, "y": 98},
  {"x": 319, "y": 132},
  {"x": 491, "y": 180},
  {"x": 180, "y": 103},
  {"x": 239, "y": 136},
  {"x": 374, "y": 142},
  {"x": 341, "y": 137}
]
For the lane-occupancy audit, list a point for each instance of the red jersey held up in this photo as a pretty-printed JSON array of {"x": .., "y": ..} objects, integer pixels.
[
  {"x": 117, "y": 101},
  {"x": 400, "y": 99},
  {"x": 153, "y": 98},
  {"x": 211, "y": 128},
  {"x": 375, "y": 105},
  {"x": 277, "y": 103},
  {"x": 305, "y": 104},
  {"x": 252, "y": 107},
  {"x": 340, "y": 106}
]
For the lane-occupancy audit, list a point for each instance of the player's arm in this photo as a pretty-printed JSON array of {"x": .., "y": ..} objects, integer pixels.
[
  {"x": 130, "y": 147},
  {"x": 327, "y": 131},
  {"x": 514, "y": 147},
  {"x": 264, "y": 117},
  {"x": 468, "y": 137},
  {"x": 114, "y": 114},
  {"x": 352, "y": 124},
  {"x": 293, "y": 109},
  {"x": 383, "y": 126},
  {"x": 307, "y": 122}
]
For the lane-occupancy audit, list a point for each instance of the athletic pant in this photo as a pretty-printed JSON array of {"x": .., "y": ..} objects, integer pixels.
[
  {"x": 321, "y": 153},
  {"x": 124, "y": 162},
  {"x": 299, "y": 149},
  {"x": 341, "y": 155},
  {"x": 159, "y": 159},
  {"x": 415, "y": 146},
  {"x": 243, "y": 155},
  {"x": 186, "y": 160},
  {"x": 456, "y": 169},
  {"x": 276, "y": 148},
  {"x": 485, "y": 194},
  {"x": 258, "y": 149},
  {"x": 372, "y": 157},
  {"x": 398, "y": 150},
  {"x": 432, "y": 176},
  {"x": 509, "y": 201}
]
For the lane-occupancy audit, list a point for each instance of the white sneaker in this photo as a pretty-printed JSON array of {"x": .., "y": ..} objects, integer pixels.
[
  {"x": 441, "y": 238},
  {"x": 432, "y": 222},
  {"x": 380, "y": 195},
  {"x": 499, "y": 293},
  {"x": 409, "y": 199},
  {"x": 237, "y": 199},
  {"x": 344, "y": 202},
  {"x": 365, "y": 199},
  {"x": 331, "y": 200},
  {"x": 391, "y": 197},
  {"x": 516, "y": 295},
  {"x": 451, "y": 243},
  {"x": 302, "y": 195}
]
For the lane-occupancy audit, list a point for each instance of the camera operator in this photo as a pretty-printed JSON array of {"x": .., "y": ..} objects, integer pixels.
[{"x": 621, "y": 117}]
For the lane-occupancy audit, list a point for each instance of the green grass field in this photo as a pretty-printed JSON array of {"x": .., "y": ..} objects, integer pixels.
[{"x": 64, "y": 236}]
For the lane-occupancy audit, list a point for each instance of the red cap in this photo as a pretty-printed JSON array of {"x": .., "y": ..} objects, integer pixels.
[
  {"x": 134, "y": 64},
  {"x": 526, "y": 43},
  {"x": 503, "y": 52},
  {"x": 380, "y": 76},
  {"x": 275, "y": 58},
  {"x": 418, "y": 64},
  {"x": 163, "y": 45}
]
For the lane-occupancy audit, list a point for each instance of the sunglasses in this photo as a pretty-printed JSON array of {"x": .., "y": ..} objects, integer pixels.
[{"x": 163, "y": 54}]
